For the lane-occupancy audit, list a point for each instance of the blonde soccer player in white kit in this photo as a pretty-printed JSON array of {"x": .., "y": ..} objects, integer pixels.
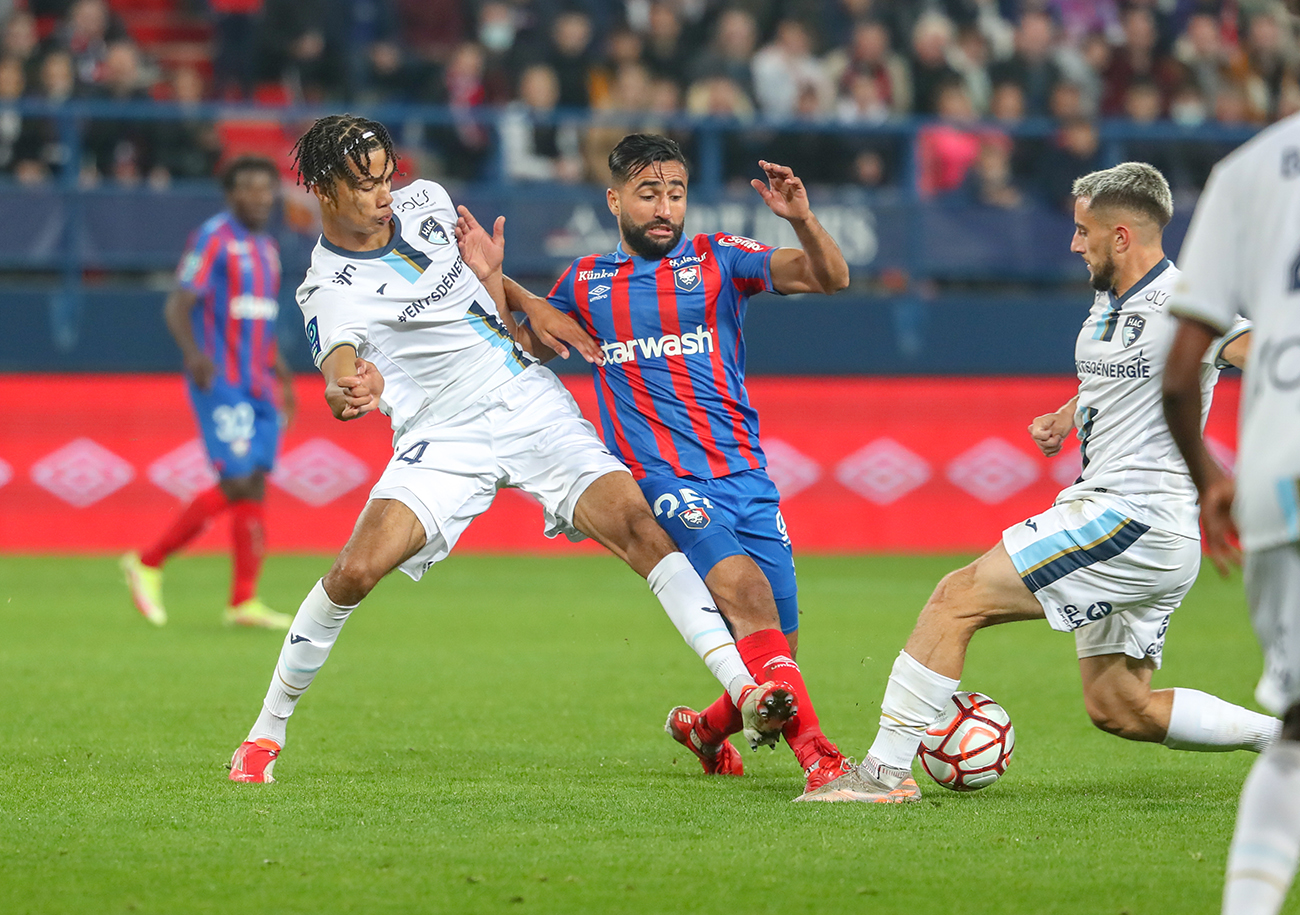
[
  {"x": 399, "y": 320},
  {"x": 1242, "y": 254},
  {"x": 1112, "y": 559}
]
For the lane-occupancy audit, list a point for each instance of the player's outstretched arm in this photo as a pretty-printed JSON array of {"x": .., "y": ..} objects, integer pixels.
[
  {"x": 352, "y": 385},
  {"x": 1182, "y": 403},
  {"x": 1050, "y": 430},
  {"x": 176, "y": 312},
  {"x": 819, "y": 265},
  {"x": 549, "y": 332}
]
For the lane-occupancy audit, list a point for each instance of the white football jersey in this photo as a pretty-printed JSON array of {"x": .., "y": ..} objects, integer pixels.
[
  {"x": 1126, "y": 447},
  {"x": 1242, "y": 254},
  {"x": 415, "y": 309}
]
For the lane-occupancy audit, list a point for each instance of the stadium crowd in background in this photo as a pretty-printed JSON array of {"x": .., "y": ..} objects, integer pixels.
[{"x": 982, "y": 69}]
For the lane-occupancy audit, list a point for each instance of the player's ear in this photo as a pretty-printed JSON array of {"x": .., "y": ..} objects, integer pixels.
[
  {"x": 1123, "y": 238},
  {"x": 611, "y": 198}
]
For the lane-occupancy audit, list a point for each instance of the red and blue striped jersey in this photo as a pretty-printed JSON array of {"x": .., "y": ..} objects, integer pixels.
[
  {"x": 672, "y": 389},
  {"x": 236, "y": 275}
]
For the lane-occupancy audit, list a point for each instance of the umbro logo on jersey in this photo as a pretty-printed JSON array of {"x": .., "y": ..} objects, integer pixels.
[
  {"x": 597, "y": 292},
  {"x": 344, "y": 276},
  {"x": 687, "y": 278},
  {"x": 1133, "y": 327},
  {"x": 380, "y": 290},
  {"x": 432, "y": 231}
]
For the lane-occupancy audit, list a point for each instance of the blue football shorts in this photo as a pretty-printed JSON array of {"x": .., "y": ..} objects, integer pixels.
[
  {"x": 240, "y": 432},
  {"x": 735, "y": 515}
]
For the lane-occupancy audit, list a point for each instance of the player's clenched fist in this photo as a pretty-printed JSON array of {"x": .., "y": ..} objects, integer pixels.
[
  {"x": 1050, "y": 430},
  {"x": 356, "y": 395}
]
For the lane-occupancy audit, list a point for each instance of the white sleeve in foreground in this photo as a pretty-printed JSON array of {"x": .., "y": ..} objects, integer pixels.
[{"x": 1209, "y": 289}]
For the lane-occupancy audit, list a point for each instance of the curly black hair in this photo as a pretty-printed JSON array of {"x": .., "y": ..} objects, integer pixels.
[{"x": 323, "y": 153}]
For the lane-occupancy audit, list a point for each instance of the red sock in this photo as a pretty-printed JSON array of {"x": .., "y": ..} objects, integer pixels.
[
  {"x": 719, "y": 721},
  {"x": 190, "y": 524},
  {"x": 248, "y": 536},
  {"x": 768, "y": 656}
]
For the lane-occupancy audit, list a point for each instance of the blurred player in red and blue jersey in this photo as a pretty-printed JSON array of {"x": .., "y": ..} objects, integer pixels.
[
  {"x": 222, "y": 315},
  {"x": 667, "y": 312}
]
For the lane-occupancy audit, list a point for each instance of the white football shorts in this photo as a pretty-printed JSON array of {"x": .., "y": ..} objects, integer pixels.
[
  {"x": 1104, "y": 576},
  {"x": 526, "y": 434},
  {"x": 1273, "y": 588}
]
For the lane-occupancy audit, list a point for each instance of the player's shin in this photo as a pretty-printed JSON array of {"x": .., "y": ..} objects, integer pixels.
[
  {"x": 691, "y": 607},
  {"x": 1199, "y": 721},
  {"x": 1266, "y": 843},
  {"x": 306, "y": 646},
  {"x": 914, "y": 698}
]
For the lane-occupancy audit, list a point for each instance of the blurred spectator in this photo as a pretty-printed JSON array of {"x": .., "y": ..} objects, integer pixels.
[
  {"x": 20, "y": 41},
  {"x": 189, "y": 147},
  {"x": 1074, "y": 151},
  {"x": 13, "y": 85},
  {"x": 1138, "y": 58},
  {"x": 85, "y": 34},
  {"x": 234, "y": 27},
  {"x": 1288, "y": 98},
  {"x": 946, "y": 150},
  {"x": 862, "y": 103},
  {"x": 931, "y": 41},
  {"x": 1203, "y": 51},
  {"x": 735, "y": 38},
  {"x": 121, "y": 149},
  {"x": 1272, "y": 57},
  {"x": 1079, "y": 18},
  {"x": 722, "y": 97},
  {"x": 1188, "y": 107},
  {"x": 295, "y": 47},
  {"x": 464, "y": 145},
  {"x": 624, "y": 113},
  {"x": 1033, "y": 64},
  {"x": 534, "y": 147},
  {"x": 970, "y": 58},
  {"x": 42, "y": 153},
  {"x": 1084, "y": 67},
  {"x": 496, "y": 36},
  {"x": 784, "y": 67},
  {"x": 570, "y": 58},
  {"x": 1142, "y": 107},
  {"x": 990, "y": 180},
  {"x": 1068, "y": 102},
  {"x": 1007, "y": 103},
  {"x": 868, "y": 53},
  {"x": 432, "y": 29},
  {"x": 623, "y": 45},
  {"x": 1007, "y": 112},
  {"x": 815, "y": 155},
  {"x": 667, "y": 54},
  {"x": 1232, "y": 106}
]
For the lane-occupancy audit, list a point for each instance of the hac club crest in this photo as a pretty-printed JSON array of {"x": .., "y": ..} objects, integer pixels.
[
  {"x": 697, "y": 519},
  {"x": 1133, "y": 327},
  {"x": 431, "y": 231},
  {"x": 687, "y": 278}
]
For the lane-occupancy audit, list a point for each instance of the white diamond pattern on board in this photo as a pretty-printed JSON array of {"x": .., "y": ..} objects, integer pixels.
[
  {"x": 319, "y": 471},
  {"x": 1067, "y": 465},
  {"x": 883, "y": 471},
  {"x": 82, "y": 472},
  {"x": 790, "y": 469},
  {"x": 6, "y": 472},
  {"x": 992, "y": 471},
  {"x": 184, "y": 472}
]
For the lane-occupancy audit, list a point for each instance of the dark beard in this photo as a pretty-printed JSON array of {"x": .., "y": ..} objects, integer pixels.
[
  {"x": 1103, "y": 278},
  {"x": 642, "y": 245}
]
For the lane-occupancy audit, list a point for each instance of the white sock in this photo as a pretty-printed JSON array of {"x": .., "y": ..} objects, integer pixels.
[
  {"x": 1199, "y": 721},
  {"x": 914, "y": 698},
  {"x": 691, "y": 607},
  {"x": 1266, "y": 843},
  {"x": 306, "y": 646}
]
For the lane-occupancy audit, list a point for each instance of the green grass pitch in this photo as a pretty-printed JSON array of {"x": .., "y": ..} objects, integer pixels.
[{"x": 490, "y": 740}]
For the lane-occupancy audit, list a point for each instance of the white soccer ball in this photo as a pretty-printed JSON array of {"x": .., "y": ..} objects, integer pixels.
[{"x": 970, "y": 745}]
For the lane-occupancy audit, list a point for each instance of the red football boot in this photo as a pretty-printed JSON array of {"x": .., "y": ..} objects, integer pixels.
[{"x": 717, "y": 759}]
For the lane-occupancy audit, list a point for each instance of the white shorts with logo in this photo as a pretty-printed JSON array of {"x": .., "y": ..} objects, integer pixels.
[
  {"x": 1273, "y": 587},
  {"x": 526, "y": 434},
  {"x": 1108, "y": 578}
]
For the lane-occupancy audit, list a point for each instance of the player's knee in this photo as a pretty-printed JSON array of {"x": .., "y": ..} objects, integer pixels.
[
  {"x": 954, "y": 599},
  {"x": 351, "y": 579},
  {"x": 745, "y": 594}
]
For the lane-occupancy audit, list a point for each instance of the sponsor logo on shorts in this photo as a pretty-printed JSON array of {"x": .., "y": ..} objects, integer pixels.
[
  {"x": 1077, "y": 617},
  {"x": 432, "y": 231},
  {"x": 695, "y": 518},
  {"x": 1133, "y": 327}
]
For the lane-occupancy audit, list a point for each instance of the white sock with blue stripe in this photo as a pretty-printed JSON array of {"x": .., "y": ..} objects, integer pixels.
[
  {"x": 1266, "y": 843},
  {"x": 306, "y": 646},
  {"x": 691, "y": 607},
  {"x": 1199, "y": 721},
  {"x": 914, "y": 698}
]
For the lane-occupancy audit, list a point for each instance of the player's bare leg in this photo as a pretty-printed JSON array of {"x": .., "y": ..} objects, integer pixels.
[
  {"x": 386, "y": 534},
  {"x": 1118, "y": 696},
  {"x": 613, "y": 512}
]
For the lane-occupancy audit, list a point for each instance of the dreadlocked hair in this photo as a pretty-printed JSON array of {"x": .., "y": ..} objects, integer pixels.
[{"x": 323, "y": 153}]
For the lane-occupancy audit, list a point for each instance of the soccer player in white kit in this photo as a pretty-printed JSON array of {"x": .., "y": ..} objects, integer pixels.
[
  {"x": 1112, "y": 559},
  {"x": 1242, "y": 254},
  {"x": 398, "y": 320}
]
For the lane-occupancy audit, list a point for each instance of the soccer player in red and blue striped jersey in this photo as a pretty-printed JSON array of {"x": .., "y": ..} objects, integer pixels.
[
  {"x": 668, "y": 313},
  {"x": 222, "y": 315}
]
